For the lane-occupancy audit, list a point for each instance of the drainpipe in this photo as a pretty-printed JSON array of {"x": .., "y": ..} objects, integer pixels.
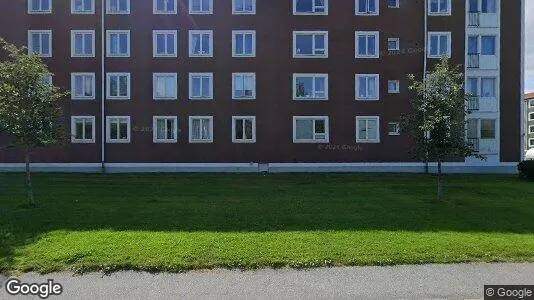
[
  {"x": 103, "y": 86},
  {"x": 524, "y": 137},
  {"x": 425, "y": 39}
]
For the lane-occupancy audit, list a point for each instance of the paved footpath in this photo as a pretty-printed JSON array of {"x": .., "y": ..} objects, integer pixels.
[{"x": 462, "y": 281}]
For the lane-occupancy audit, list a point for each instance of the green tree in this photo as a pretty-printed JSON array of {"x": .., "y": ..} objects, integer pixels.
[
  {"x": 438, "y": 118},
  {"x": 30, "y": 107}
]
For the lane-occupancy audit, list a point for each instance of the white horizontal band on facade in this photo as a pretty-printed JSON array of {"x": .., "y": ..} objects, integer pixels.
[{"x": 451, "y": 168}]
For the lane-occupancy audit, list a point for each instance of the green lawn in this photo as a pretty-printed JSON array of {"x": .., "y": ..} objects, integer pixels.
[{"x": 176, "y": 222}]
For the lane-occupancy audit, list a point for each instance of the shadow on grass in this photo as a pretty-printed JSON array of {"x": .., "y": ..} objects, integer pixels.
[{"x": 259, "y": 203}]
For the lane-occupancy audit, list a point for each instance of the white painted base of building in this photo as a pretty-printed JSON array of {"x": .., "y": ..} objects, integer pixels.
[{"x": 451, "y": 168}]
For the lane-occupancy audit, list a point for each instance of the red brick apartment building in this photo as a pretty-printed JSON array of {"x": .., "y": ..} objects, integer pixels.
[{"x": 266, "y": 85}]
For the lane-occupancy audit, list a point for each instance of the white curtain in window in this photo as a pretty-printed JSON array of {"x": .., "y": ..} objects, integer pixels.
[
  {"x": 161, "y": 130},
  {"x": 206, "y": 129},
  {"x": 488, "y": 87},
  {"x": 195, "y": 131},
  {"x": 372, "y": 129}
]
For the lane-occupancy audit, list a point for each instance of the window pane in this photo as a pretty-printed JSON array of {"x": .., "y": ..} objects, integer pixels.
[
  {"x": 88, "y": 44},
  {"x": 362, "y": 129},
  {"x": 488, "y": 45},
  {"x": 304, "y": 5},
  {"x": 113, "y": 133},
  {"x": 123, "y": 43},
  {"x": 206, "y": 129},
  {"x": 320, "y": 90},
  {"x": 362, "y": 45},
  {"x": 170, "y": 86},
  {"x": 487, "y": 86},
  {"x": 319, "y": 43},
  {"x": 304, "y": 44},
  {"x": 472, "y": 45},
  {"x": 78, "y": 85},
  {"x": 248, "y": 129},
  {"x": 123, "y": 85},
  {"x": 170, "y": 43},
  {"x": 372, "y": 45},
  {"x": 196, "y": 86},
  {"x": 434, "y": 45},
  {"x": 362, "y": 87},
  {"x": 248, "y": 44},
  {"x": 304, "y": 129},
  {"x": 45, "y": 43},
  {"x": 206, "y": 44},
  {"x": 304, "y": 86},
  {"x": 88, "y": 80},
  {"x": 371, "y": 130},
  {"x": 88, "y": 129},
  {"x": 320, "y": 126},
  {"x": 79, "y": 130},
  {"x": 443, "y": 47},
  {"x": 78, "y": 43},
  {"x": 206, "y": 86},
  {"x": 160, "y": 43},
  {"x": 113, "y": 86},
  {"x": 160, "y": 129},
  {"x": 489, "y": 6},
  {"x": 123, "y": 129},
  {"x": 487, "y": 129},
  {"x": 239, "y": 43},
  {"x": 239, "y": 129}
]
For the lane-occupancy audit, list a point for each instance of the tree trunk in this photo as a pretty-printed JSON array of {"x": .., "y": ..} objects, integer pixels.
[
  {"x": 29, "y": 188},
  {"x": 440, "y": 185}
]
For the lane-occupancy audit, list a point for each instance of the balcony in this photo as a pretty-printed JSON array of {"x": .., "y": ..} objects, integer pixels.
[
  {"x": 473, "y": 19},
  {"x": 474, "y": 143},
  {"x": 473, "y": 103},
  {"x": 473, "y": 60}
]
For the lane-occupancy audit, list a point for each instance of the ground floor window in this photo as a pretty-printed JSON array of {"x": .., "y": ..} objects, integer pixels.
[
  {"x": 201, "y": 129},
  {"x": 367, "y": 129},
  {"x": 83, "y": 129},
  {"x": 118, "y": 129},
  {"x": 310, "y": 129},
  {"x": 244, "y": 129},
  {"x": 165, "y": 129}
]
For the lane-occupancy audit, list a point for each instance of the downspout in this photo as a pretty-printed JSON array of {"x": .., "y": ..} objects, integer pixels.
[
  {"x": 425, "y": 43},
  {"x": 523, "y": 106},
  {"x": 103, "y": 86}
]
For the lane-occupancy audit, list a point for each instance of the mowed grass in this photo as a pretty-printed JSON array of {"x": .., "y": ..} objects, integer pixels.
[{"x": 177, "y": 222}]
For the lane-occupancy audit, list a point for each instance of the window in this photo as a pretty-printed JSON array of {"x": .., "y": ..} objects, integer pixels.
[
  {"x": 47, "y": 79},
  {"x": 531, "y": 142},
  {"x": 40, "y": 43},
  {"x": 243, "y": 43},
  {"x": 393, "y": 44},
  {"x": 118, "y": 43},
  {"x": 367, "y": 130},
  {"x": 531, "y": 117},
  {"x": 488, "y": 44},
  {"x": 118, "y": 86},
  {"x": 393, "y": 86},
  {"x": 118, "y": 129},
  {"x": 243, "y": 86},
  {"x": 393, "y": 128},
  {"x": 531, "y": 103},
  {"x": 487, "y": 129},
  {"x": 367, "y": 86},
  {"x": 367, "y": 44},
  {"x": 243, "y": 7},
  {"x": 200, "y": 43},
  {"x": 531, "y": 129},
  {"x": 489, "y": 6},
  {"x": 487, "y": 87},
  {"x": 117, "y": 7},
  {"x": 82, "y": 129},
  {"x": 82, "y": 6},
  {"x": 310, "y": 44},
  {"x": 439, "y": 44},
  {"x": 82, "y": 43},
  {"x": 367, "y": 7},
  {"x": 165, "y": 129},
  {"x": 164, "y": 7},
  {"x": 310, "y": 86},
  {"x": 201, "y": 7},
  {"x": 393, "y": 3},
  {"x": 310, "y": 7},
  {"x": 439, "y": 7},
  {"x": 201, "y": 86},
  {"x": 164, "y": 43},
  {"x": 310, "y": 129},
  {"x": 165, "y": 86},
  {"x": 243, "y": 129},
  {"x": 83, "y": 86},
  {"x": 39, "y": 6},
  {"x": 200, "y": 129}
]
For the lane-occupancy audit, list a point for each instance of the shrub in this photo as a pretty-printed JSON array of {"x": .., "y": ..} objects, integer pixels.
[{"x": 526, "y": 169}]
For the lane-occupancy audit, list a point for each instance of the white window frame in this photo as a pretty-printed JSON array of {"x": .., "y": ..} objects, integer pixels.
[
  {"x": 531, "y": 103},
  {"x": 251, "y": 97},
  {"x": 531, "y": 143},
  {"x": 155, "y": 33},
  {"x": 377, "y": 87},
  {"x": 439, "y": 33},
  {"x": 155, "y": 120},
  {"x": 368, "y": 141},
  {"x": 109, "y": 12},
  {"x": 33, "y": 11},
  {"x": 191, "y": 33},
  {"x": 73, "y": 34},
  {"x": 234, "y": 42},
  {"x": 108, "y": 130},
  {"x": 202, "y": 141},
  {"x": 73, "y": 85},
  {"x": 235, "y": 12},
  {"x": 530, "y": 129},
  {"x": 108, "y": 43},
  {"x": 447, "y": 13},
  {"x": 394, "y": 91},
  {"x": 76, "y": 12},
  {"x": 314, "y": 140},
  {"x": 396, "y": 133},
  {"x": 357, "y": 8},
  {"x": 314, "y": 76},
  {"x": 191, "y": 12},
  {"x": 357, "y": 44},
  {"x": 40, "y": 32},
  {"x": 191, "y": 96},
  {"x": 397, "y": 4},
  {"x": 165, "y": 12},
  {"x": 243, "y": 141},
  {"x": 312, "y": 13},
  {"x": 128, "y": 86},
  {"x": 397, "y": 41},
  {"x": 313, "y": 34},
  {"x": 175, "y": 80},
  {"x": 73, "y": 120},
  {"x": 531, "y": 116}
]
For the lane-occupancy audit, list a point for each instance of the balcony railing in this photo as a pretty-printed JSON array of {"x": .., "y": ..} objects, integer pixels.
[
  {"x": 474, "y": 143},
  {"x": 474, "y": 19},
  {"x": 473, "y": 103},
  {"x": 473, "y": 60}
]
